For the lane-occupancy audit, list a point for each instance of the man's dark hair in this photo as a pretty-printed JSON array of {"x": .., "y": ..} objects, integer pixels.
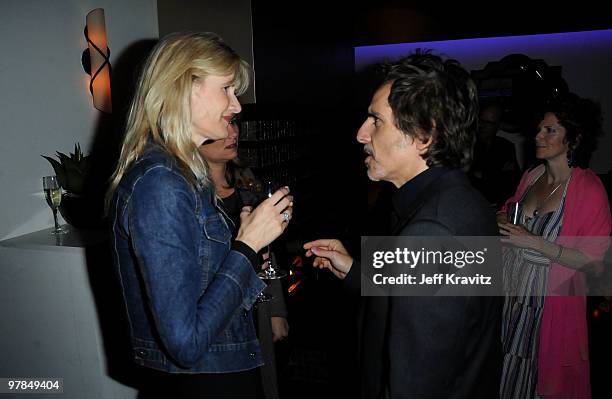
[
  {"x": 582, "y": 121},
  {"x": 432, "y": 97}
]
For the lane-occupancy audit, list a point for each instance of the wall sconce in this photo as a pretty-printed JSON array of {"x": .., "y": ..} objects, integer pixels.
[{"x": 95, "y": 60}]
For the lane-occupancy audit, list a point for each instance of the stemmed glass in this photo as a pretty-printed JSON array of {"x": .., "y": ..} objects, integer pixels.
[
  {"x": 262, "y": 192},
  {"x": 270, "y": 272},
  {"x": 53, "y": 195},
  {"x": 514, "y": 209}
]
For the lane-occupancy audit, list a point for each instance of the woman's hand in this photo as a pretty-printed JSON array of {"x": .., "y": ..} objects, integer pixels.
[
  {"x": 262, "y": 225},
  {"x": 280, "y": 328},
  {"x": 501, "y": 217},
  {"x": 518, "y": 235}
]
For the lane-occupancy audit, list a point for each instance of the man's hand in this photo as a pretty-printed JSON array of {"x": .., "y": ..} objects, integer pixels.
[{"x": 330, "y": 254}]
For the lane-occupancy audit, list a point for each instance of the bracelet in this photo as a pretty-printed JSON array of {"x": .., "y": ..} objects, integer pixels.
[{"x": 559, "y": 254}]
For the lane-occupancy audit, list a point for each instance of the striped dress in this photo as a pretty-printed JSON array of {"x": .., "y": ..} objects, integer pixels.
[{"x": 525, "y": 277}]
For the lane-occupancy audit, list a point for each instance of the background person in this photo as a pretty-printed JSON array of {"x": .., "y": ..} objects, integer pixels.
[
  {"x": 270, "y": 316},
  {"x": 544, "y": 325},
  {"x": 494, "y": 170}
]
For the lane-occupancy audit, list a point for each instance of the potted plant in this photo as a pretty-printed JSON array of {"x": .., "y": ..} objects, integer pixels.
[{"x": 72, "y": 172}]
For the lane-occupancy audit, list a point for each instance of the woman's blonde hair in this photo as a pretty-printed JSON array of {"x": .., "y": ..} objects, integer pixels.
[{"x": 160, "y": 110}]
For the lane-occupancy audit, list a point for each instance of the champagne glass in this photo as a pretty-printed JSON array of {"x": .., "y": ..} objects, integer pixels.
[
  {"x": 257, "y": 196},
  {"x": 262, "y": 192},
  {"x": 53, "y": 195},
  {"x": 270, "y": 272},
  {"x": 513, "y": 212}
]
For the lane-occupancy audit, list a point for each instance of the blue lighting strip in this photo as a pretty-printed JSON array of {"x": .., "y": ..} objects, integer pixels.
[{"x": 475, "y": 53}]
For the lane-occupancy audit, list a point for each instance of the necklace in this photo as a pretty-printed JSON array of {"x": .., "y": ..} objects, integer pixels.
[{"x": 539, "y": 204}]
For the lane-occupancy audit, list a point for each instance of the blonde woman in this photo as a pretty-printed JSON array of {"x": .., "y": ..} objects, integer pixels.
[{"x": 188, "y": 287}]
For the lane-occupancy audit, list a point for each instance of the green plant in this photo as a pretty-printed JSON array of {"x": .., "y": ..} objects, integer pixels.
[{"x": 71, "y": 171}]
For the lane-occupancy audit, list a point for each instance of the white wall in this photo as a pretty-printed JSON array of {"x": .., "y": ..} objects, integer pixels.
[
  {"x": 230, "y": 19},
  {"x": 44, "y": 98},
  {"x": 585, "y": 58}
]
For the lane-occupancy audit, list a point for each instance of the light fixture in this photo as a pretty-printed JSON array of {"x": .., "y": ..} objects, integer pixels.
[{"x": 95, "y": 60}]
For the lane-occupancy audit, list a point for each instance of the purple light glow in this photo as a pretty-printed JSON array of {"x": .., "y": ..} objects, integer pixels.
[{"x": 475, "y": 53}]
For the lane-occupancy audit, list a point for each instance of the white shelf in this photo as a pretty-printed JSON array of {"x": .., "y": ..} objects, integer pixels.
[{"x": 51, "y": 325}]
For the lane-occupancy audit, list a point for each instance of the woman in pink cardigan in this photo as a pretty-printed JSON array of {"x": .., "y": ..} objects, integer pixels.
[{"x": 562, "y": 226}]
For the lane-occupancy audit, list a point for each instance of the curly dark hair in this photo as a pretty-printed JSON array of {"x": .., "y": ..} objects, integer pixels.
[
  {"x": 435, "y": 98},
  {"x": 582, "y": 121}
]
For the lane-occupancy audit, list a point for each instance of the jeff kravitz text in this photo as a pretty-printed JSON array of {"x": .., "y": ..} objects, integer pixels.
[
  {"x": 421, "y": 259},
  {"x": 435, "y": 279}
]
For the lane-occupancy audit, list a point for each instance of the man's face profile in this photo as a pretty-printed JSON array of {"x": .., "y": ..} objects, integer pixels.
[{"x": 391, "y": 155}]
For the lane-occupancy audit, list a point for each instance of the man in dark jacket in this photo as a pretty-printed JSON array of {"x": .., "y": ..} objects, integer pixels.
[{"x": 418, "y": 135}]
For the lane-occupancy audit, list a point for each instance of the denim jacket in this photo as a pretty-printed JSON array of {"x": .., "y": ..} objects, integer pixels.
[{"x": 188, "y": 293}]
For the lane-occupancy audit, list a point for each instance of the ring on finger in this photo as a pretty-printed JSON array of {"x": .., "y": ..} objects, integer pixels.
[{"x": 286, "y": 216}]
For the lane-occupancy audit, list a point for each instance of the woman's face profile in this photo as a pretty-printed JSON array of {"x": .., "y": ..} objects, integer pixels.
[
  {"x": 213, "y": 106},
  {"x": 550, "y": 140},
  {"x": 222, "y": 151}
]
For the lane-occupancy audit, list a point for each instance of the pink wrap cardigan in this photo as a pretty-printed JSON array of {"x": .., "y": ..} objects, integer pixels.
[{"x": 563, "y": 365}]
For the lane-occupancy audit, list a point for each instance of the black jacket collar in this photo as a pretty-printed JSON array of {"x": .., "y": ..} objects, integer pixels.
[{"x": 408, "y": 196}]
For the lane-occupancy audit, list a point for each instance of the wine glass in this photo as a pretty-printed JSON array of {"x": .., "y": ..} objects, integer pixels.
[
  {"x": 53, "y": 195},
  {"x": 513, "y": 212},
  {"x": 270, "y": 272},
  {"x": 256, "y": 190},
  {"x": 263, "y": 296},
  {"x": 261, "y": 192}
]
